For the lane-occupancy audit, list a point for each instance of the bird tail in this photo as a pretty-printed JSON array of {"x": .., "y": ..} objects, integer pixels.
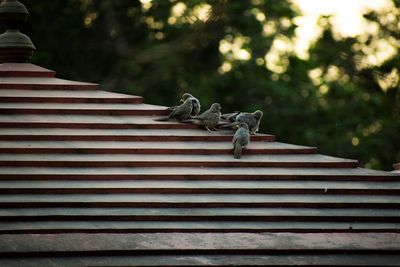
[
  {"x": 225, "y": 116},
  {"x": 165, "y": 118},
  {"x": 230, "y": 116},
  {"x": 197, "y": 121},
  {"x": 171, "y": 108},
  {"x": 186, "y": 121},
  {"x": 237, "y": 150},
  {"x": 229, "y": 125}
]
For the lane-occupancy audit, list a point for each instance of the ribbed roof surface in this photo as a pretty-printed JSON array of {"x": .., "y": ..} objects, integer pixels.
[{"x": 87, "y": 177}]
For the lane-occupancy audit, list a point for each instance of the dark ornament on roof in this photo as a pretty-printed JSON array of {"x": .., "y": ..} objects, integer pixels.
[{"x": 14, "y": 45}]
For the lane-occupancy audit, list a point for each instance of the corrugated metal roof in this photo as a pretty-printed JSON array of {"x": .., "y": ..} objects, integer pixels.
[{"x": 87, "y": 177}]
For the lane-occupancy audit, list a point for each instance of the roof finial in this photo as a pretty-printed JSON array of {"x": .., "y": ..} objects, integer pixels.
[{"x": 14, "y": 45}]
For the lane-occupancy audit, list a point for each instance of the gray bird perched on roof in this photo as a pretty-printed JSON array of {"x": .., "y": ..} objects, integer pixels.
[
  {"x": 180, "y": 113},
  {"x": 241, "y": 139},
  {"x": 209, "y": 118},
  {"x": 195, "y": 104},
  {"x": 251, "y": 119}
]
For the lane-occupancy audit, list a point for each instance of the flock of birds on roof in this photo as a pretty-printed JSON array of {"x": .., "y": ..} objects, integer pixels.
[{"x": 246, "y": 123}]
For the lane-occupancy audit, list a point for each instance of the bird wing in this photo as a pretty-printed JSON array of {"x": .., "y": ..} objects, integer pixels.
[
  {"x": 203, "y": 116},
  {"x": 248, "y": 118},
  {"x": 182, "y": 109}
]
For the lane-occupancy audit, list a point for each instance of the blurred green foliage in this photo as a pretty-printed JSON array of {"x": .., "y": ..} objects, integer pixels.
[{"x": 164, "y": 48}]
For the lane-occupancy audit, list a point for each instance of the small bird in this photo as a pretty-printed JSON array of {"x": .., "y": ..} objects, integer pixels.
[
  {"x": 195, "y": 104},
  {"x": 180, "y": 113},
  {"x": 209, "y": 118},
  {"x": 251, "y": 119},
  {"x": 241, "y": 139}
]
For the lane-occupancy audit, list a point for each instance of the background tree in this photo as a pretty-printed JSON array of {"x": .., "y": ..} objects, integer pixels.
[{"x": 342, "y": 97}]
